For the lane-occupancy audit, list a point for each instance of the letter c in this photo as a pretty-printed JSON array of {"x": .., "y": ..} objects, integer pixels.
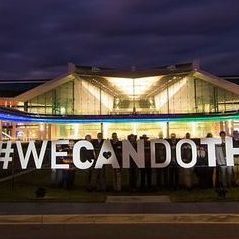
[{"x": 76, "y": 154}]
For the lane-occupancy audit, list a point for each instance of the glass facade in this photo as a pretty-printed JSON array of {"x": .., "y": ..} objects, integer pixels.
[
  {"x": 95, "y": 95},
  {"x": 158, "y": 95},
  {"x": 28, "y": 132},
  {"x": 57, "y": 101},
  {"x": 195, "y": 96}
]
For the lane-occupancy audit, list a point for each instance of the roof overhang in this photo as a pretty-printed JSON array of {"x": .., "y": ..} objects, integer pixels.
[
  {"x": 41, "y": 89},
  {"x": 100, "y": 80},
  {"x": 217, "y": 81}
]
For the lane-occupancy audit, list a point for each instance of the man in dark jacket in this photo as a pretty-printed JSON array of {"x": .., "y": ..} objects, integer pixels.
[
  {"x": 146, "y": 173},
  {"x": 117, "y": 146},
  {"x": 98, "y": 175}
]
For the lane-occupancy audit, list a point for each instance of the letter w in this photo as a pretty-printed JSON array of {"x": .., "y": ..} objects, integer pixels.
[{"x": 31, "y": 149}]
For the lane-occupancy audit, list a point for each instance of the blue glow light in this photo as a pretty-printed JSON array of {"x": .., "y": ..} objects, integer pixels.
[{"x": 22, "y": 117}]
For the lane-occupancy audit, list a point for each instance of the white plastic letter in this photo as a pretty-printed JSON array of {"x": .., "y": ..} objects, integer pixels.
[
  {"x": 31, "y": 148},
  {"x": 129, "y": 151},
  {"x": 76, "y": 154},
  {"x": 194, "y": 153},
  {"x": 153, "y": 154},
  {"x": 211, "y": 142},
  {"x": 107, "y": 156},
  {"x": 230, "y": 151},
  {"x": 55, "y": 154}
]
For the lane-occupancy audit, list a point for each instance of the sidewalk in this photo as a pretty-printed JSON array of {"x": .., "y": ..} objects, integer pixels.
[{"x": 118, "y": 213}]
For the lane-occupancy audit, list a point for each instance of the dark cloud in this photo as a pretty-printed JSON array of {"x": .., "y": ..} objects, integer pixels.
[{"x": 38, "y": 38}]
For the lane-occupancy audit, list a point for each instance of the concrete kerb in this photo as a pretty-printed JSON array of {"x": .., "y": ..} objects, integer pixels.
[{"x": 120, "y": 219}]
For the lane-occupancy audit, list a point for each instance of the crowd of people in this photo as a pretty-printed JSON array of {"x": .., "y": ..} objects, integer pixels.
[{"x": 173, "y": 177}]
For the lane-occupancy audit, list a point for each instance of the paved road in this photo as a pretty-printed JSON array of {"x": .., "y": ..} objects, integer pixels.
[
  {"x": 117, "y": 208},
  {"x": 134, "y": 231}
]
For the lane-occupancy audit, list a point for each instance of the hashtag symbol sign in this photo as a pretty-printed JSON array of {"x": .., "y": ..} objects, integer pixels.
[{"x": 5, "y": 154}]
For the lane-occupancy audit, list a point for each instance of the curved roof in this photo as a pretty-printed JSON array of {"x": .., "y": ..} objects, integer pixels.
[{"x": 23, "y": 90}]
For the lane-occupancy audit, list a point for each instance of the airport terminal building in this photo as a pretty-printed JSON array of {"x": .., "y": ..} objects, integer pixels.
[{"x": 87, "y": 100}]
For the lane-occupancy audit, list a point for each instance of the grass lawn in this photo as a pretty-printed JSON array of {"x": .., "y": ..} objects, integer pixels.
[{"x": 22, "y": 189}]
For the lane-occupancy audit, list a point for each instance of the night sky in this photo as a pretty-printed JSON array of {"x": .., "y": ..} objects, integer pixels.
[{"x": 38, "y": 38}]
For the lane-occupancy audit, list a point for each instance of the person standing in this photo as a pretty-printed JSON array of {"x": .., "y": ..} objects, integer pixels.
[
  {"x": 146, "y": 173},
  {"x": 161, "y": 173},
  {"x": 98, "y": 179},
  {"x": 223, "y": 172},
  {"x": 116, "y": 172},
  {"x": 88, "y": 155},
  {"x": 57, "y": 174},
  {"x": 235, "y": 136},
  {"x": 173, "y": 172},
  {"x": 186, "y": 174},
  {"x": 69, "y": 173},
  {"x": 203, "y": 172},
  {"x": 133, "y": 170}
]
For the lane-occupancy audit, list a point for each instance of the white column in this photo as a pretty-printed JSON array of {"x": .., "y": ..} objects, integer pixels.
[{"x": 14, "y": 131}]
